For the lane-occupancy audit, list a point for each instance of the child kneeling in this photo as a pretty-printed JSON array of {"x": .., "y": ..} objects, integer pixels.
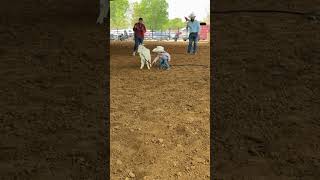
[{"x": 163, "y": 56}]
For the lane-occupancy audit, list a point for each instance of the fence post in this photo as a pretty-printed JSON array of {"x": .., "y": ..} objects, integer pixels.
[
  {"x": 169, "y": 33},
  {"x": 117, "y": 34}
]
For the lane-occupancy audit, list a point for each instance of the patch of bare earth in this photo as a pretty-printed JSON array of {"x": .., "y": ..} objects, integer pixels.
[
  {"x": 268, "y": 75},
  {"x": 160, "y": 119}
]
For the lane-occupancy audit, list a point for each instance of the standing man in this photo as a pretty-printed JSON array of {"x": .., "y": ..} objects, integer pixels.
[
  {"x": 139, "y": 30},
  {"x": 193, "y": 26}
]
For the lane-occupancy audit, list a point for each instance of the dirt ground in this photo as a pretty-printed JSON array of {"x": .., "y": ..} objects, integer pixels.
[
  {"x": 160, "y": 119},
  {"x": 267, "y": 93},
  {"x": 52, "y": 73}
]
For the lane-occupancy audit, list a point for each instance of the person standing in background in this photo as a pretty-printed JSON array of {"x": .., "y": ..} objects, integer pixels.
[
  {"x": 193, "y": 26},
  {"x": 139, "y": 29}
]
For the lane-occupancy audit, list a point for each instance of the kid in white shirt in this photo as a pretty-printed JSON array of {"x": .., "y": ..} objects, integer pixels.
[{"x": 164, "y": 57}]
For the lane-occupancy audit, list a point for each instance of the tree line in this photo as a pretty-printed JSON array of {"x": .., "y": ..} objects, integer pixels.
[{"x": 154, "y": 13}]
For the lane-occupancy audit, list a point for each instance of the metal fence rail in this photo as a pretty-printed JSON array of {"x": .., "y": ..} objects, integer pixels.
[{"x": 172, "y": 34}]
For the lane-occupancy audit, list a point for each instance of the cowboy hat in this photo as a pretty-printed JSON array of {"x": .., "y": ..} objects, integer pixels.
[
  {"x": 192, "y": 15},
  {"x": 158, "y": 49}
]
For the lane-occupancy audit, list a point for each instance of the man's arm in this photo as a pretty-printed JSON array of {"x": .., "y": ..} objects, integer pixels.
[
  {"x": 144, "y": 28},
  {"x": 188, "y": 24},
  {"x": 134, "y": 27},
  {"x": 155, "y": 59}
]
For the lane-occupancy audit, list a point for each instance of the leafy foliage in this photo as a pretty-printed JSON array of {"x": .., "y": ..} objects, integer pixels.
[
  {"x": 153, "y": 12},
  {"x": 118, "y": 14},
  {"x": 175, "y": 23}
]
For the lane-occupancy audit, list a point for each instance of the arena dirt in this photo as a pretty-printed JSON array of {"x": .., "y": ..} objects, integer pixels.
[
  {"x": 267, "y": 94},
  {"x": 267, "y": 97},
  {"x": 52, "y": 70},
  {"x": 160, "y": 119}
]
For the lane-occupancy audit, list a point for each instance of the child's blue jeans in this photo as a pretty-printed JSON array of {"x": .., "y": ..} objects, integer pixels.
[{"x": 164, "y": 64}]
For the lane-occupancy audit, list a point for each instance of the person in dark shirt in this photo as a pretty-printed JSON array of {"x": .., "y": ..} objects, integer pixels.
[{"x": 139, "y": 29}]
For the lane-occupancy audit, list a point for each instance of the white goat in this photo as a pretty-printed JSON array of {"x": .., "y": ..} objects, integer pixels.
[{"x": 145, "y": 56}]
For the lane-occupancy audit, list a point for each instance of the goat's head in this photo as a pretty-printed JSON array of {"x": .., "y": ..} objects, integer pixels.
[{"x": 140, "y": 48}]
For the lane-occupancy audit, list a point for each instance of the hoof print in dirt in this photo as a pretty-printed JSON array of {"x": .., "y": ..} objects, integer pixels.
[
  {"x": 119, "y": 162},
  {"x": 132, "y": 175}
]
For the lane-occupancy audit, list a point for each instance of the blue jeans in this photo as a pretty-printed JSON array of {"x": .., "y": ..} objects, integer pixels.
[
  {"x": 193, "y": 40},
  {"x": 137, "y": 42},
  {"x": 164, "y": 64}
]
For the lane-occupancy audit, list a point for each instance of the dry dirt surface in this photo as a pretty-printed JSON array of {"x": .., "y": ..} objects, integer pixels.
[
  {"x": 52, "y": 72},
  {"x": 160, "y": 119},
  {"x": 267, "y": 92}
]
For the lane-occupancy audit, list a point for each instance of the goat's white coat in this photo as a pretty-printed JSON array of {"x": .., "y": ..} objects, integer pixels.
[{"x": 145, "y": 56}]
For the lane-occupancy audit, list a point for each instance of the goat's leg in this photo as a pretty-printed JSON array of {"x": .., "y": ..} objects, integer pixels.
[
  {"x": 148, "y": 65},
  {"x": 142, "y": 64}
]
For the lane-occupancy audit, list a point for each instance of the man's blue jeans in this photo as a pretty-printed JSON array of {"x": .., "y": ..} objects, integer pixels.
[
  {"x": 137, "y": 42},
  {"x": 193, "y": 42}
]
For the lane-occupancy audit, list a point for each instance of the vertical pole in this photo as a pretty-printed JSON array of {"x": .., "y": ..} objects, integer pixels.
[{"x": 117, "y": 34}]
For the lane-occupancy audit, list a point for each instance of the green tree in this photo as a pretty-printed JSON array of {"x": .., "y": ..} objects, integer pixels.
[
  {"x": 118, "y": 14},
  {"x": 175, "y": 23},
  {"x": 136, "y": 8},
  {"x": 153, "y": 12}
]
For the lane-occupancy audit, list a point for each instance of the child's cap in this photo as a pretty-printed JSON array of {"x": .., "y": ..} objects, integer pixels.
[{"x": 158, "y": 49}]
